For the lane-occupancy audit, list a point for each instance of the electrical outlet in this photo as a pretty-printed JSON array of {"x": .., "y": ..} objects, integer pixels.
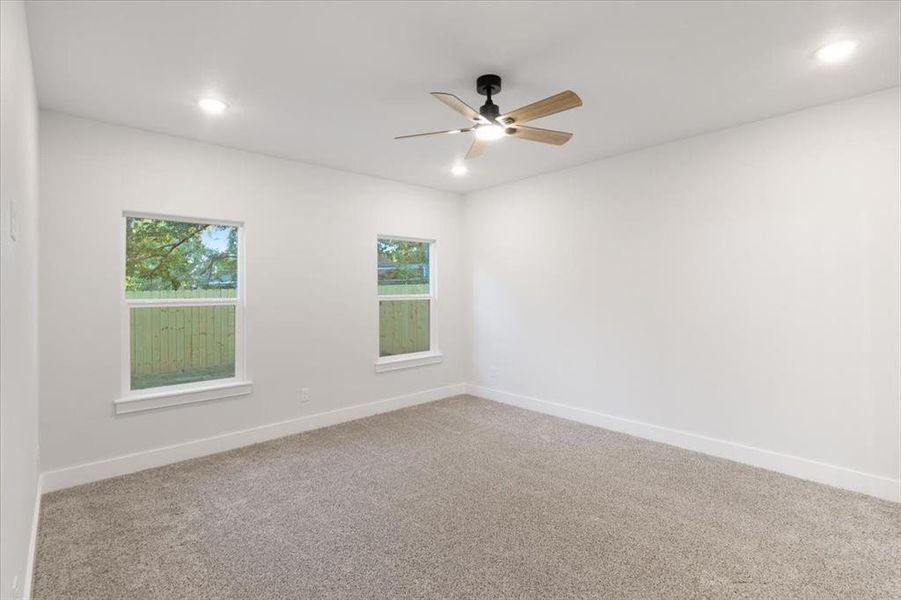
[
  {"x": 305, "y": 395},
  {"x": 15, "y": 584},
  {"x": 492, "y": 372}
]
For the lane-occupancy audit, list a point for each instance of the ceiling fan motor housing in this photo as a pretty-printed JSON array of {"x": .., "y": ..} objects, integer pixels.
[{"x": 489, "y": 85}]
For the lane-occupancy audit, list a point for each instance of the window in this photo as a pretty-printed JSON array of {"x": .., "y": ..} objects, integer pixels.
[
  {"x": 183, "y": 304},
  {"x": 407, "y": 303}
]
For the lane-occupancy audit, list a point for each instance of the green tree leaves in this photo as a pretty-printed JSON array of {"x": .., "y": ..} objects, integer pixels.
[
  {"x": 403, "y": 261},
  {"x": 178, "y": 255}
]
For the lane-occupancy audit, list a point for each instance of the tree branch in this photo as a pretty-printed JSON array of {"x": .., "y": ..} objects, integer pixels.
[{"x": 173, "y": 247}]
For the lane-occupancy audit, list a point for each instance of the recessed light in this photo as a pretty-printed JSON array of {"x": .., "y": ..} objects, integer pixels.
[
  {"x": 459, "y": 170},
  {"x": 212, "y": 106},
  {"x": 837, "y": 51},
  {"x": 489, "y": 133}
]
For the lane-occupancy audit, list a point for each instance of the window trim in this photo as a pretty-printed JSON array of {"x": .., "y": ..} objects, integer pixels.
[
  {"x": 184, "y": 393},
  {"x": 413, "y": 359},
  {"x": 166, "y": 399},
  {"x": 407, "y": 361}
]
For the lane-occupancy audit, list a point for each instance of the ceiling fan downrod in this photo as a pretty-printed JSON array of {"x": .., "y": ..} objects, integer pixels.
[{"x": 488, "y": 85}]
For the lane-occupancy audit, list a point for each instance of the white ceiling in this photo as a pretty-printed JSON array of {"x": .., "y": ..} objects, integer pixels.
[{"x": 332, "y": 83}]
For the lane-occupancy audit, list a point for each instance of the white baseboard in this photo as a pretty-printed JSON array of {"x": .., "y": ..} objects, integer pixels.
[
  {"x": 130, "y": 463},
  {"x": 33, "y": 539},
  {"x": 840, "y": 477}
]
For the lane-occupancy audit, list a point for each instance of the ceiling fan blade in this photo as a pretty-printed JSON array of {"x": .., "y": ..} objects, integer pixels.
[
  {"x": 451, "y": 131},
  {"x": 478, "y": 146},
  {"x": 459, "y": 106},
  {"x": 549, "y": 106},
  {"x": 548, "y": 136}
]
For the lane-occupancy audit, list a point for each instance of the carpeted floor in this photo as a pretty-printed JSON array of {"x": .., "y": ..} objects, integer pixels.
[{"x": 464, "y": 498}]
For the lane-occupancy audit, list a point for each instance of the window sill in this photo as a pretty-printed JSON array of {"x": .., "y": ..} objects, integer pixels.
[
  {"x": 407, "y": 361},
  {"x": 165, "y": 399}
]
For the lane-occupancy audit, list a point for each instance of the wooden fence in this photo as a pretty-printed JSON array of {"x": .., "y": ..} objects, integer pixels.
[
  {"x": 403, "y": 326},
  {"x": 181, "y": 344}
]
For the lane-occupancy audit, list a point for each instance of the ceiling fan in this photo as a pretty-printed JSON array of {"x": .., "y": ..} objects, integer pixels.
[{"x": 489, "y": 124}]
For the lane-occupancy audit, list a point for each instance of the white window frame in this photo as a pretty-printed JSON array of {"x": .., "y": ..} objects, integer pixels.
[
  {"x": 184, "y": 393},
  {"x": 413, "y": 359}
]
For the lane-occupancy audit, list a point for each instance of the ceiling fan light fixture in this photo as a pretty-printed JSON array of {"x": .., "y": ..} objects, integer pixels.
[
  {"x": 489, "y": 125},
  {"x": 488, "y": 133}
]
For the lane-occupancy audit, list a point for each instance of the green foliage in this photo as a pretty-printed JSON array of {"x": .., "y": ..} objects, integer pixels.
[
  {"x": 404, "y": 252},
  {"x": 176, "y": 255},
  {"x": 409, "y": 261}
]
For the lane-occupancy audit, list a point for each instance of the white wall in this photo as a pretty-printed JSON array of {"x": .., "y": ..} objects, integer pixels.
[
  {"x": 311, "y": 307},
  {"x": 18, "y": 299},
  {"x": 741, "y": 285}
]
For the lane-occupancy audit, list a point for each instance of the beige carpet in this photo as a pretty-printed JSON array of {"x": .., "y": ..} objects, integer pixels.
[{"x": 464, "y": 498}]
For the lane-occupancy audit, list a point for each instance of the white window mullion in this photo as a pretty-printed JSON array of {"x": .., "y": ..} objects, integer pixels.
[
  {"x": 174, "y": 302},
  {"x": 398, "y": 297}
]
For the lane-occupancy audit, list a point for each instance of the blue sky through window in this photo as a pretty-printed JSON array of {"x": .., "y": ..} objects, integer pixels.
[{"x": 216, "y": 238}]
